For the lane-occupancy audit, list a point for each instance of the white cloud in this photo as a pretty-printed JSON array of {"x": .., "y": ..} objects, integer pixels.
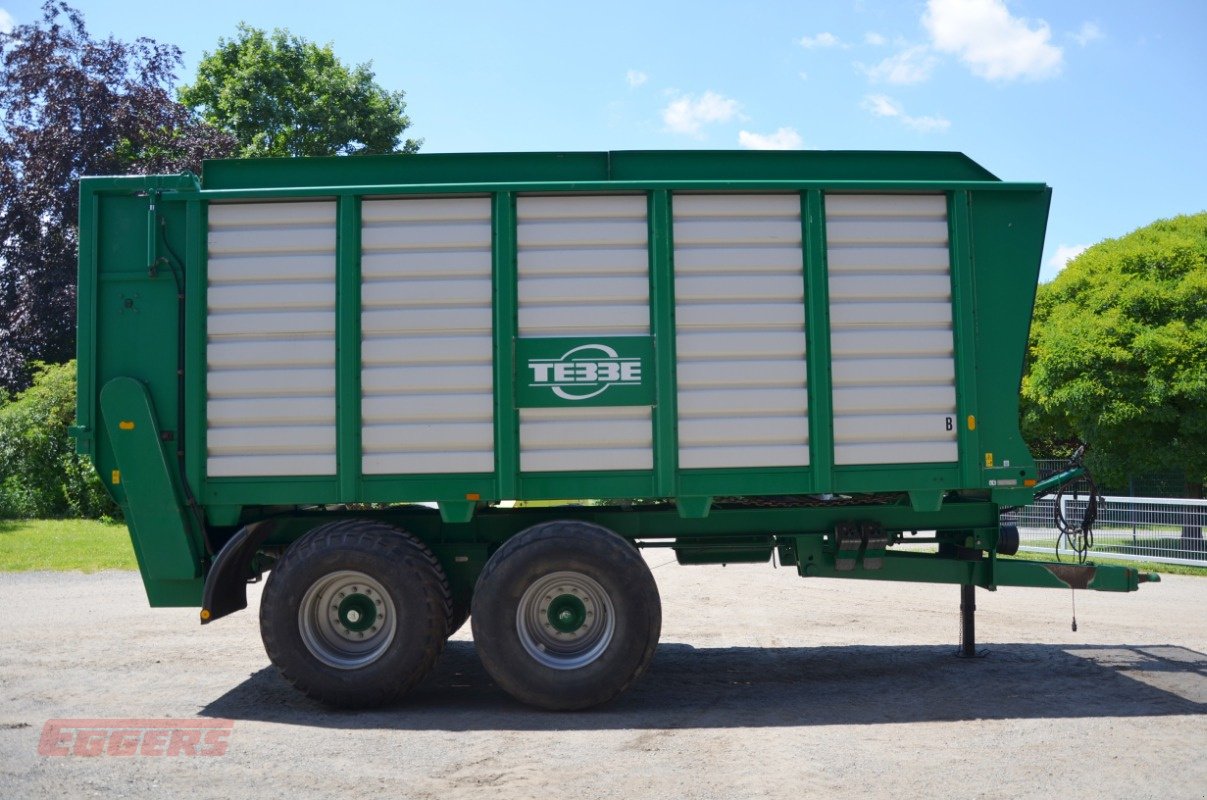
[
  {"x": 1064, "y": 254},
  {"x": 782, "y": 139},
  {"x": 824, "y": 39},
  {"x": 804, "y": 76},
  {"x": 874, "y": 39},
  {"x": 885, "y": 106},
  {"x": 7, "y": 23},
  {"x": 926, "y": 124},
  {"x": 685, "y": 114},
  {"x": 635, "y": 78},
  {"x": 1088, "y": 32},
  {"x": 882, "y": 105},
  {"x": 911, "y": 65},
  {"x": 994, "y": 44}
]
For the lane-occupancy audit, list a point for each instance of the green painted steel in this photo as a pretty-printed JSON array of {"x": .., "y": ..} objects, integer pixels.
[
  {"x": 662, "y": 324},
  {"x": 348, "y": 346},
  {"x": 144, "y": 242},
  {"x": 566, "y": 168},
  {"x": 507, "y": 425},
  {"x": 817, "y": 343},
  {"x": 167, "y": 551}
]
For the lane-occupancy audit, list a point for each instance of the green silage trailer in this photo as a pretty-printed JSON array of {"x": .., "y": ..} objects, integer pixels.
[{"x": 360, "y": 375}]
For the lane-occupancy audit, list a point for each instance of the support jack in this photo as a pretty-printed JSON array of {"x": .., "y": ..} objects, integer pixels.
[{"x": 968, "y": 623}]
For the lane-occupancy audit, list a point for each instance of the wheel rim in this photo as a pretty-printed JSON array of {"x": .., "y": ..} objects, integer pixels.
[
  {"x": 347, "y": 619},
  {"x": 565, "y": 620}
]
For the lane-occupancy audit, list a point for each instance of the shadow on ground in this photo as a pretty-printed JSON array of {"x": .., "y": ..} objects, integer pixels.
[{"x": 726, "y": 687}]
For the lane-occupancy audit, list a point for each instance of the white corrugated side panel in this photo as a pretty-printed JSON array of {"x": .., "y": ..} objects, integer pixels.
[
  {"x": 891, "y": 341},
  {"x": 583, "y": 267},
  {"x": 270, "y": 356},
  {"x": 427, "y": 355},
  {"x": 740, "y": 331}
]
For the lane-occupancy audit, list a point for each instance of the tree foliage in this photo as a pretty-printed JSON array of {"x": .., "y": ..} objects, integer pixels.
[
  {"x": 71, "y": 105},
  {"x": 281, "y": 95},
  {"x": 1118, "y": 353},
  {"x": 40, "y": 473}
]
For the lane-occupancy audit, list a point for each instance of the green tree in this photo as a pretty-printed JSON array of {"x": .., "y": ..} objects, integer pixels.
[
  {"x": 281, "y": 95},
  {"x": 1118, "y": 353},
  {"x": 40, "y": 473}
]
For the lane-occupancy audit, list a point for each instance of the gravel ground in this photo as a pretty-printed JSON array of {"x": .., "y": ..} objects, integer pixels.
[{"x": 765, "y": 685}]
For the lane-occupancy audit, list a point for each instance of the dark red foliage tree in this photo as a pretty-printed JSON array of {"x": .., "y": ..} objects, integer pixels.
[{"x": 71, "y": 105}]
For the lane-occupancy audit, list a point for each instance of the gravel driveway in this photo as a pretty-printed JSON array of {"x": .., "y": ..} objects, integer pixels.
[{"x": 765, "y": 685}]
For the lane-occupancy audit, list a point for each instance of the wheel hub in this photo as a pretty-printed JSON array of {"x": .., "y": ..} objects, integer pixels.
[
  {"x": 567, "y": 613},
  {"x": 357, "y": 613}
]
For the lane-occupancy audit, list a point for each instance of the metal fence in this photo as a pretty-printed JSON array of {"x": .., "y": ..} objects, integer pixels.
[
  {"x": 1127, "y": 528},
  {"x": 1165, "y": 483}
]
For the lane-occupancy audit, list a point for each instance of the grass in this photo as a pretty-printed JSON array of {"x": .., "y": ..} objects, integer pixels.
[{"x": 64, "y": 544}]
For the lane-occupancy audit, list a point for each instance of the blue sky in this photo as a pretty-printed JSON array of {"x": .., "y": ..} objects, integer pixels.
[{"x": 1105, "y": 101}]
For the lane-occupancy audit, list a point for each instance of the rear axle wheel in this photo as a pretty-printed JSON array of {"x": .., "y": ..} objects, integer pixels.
[{"x": 566, "y": 615}]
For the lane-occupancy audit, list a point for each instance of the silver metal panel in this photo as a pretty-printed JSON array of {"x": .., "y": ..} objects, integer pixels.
[
  {"x": 267, "y": 354},
  {"x": 418, "y": 292},
  {"x": 891, "y": 341},
  {"x": 266, "y": 322},
  {"x": 383, "y": 349},
  {"x": 427, "y": 463},
  {"x": 767, "y": 314},
  {"x": 921, "y": 452},
  {"x": 267, "y": 410},
  {"x": 740, "y": 331},
  {"x": 233, "y": 270},
  {"x": 886, "y": 371},
  {"x": 583, "y": 265},
  {"x": 595, "y": 439},
  {"x": 727, "y": 260},
  {"x": 723, "y": 372},
  {"x": 270, "y": 351},
  {"x": 587, "y": 320},
  {"x": 254, "y": 383},
  {"x": 888, "y": 343},
  {"x": 379, "y": 234},
  {"x": 426, "y": 354},
  {"x": 403, "y": 379},
  {"x": 772, "y": 401},
  {"x": 713, "y": 344},
  {"x": 427, "y": 408},
  {"x": 444, "y": 264},
  {"x": 853, "y": 259},
  {"x": 630, "y": 261},
  {"x": 899, "y": 399},
  {"x": 245, "y": 464},
  {"x": 583, "y": 268},
  {"x": 847, "y": 287}
]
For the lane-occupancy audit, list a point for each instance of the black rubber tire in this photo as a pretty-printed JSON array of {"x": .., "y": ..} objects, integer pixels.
[
  {"x": 573, "y": 546},
  {"x": 407, "y": 570}
]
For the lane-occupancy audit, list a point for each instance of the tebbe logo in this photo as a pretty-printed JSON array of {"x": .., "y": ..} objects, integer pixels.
[
  {"x": 135, "y": 737},
  {"x": 584, "y": 372}
]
